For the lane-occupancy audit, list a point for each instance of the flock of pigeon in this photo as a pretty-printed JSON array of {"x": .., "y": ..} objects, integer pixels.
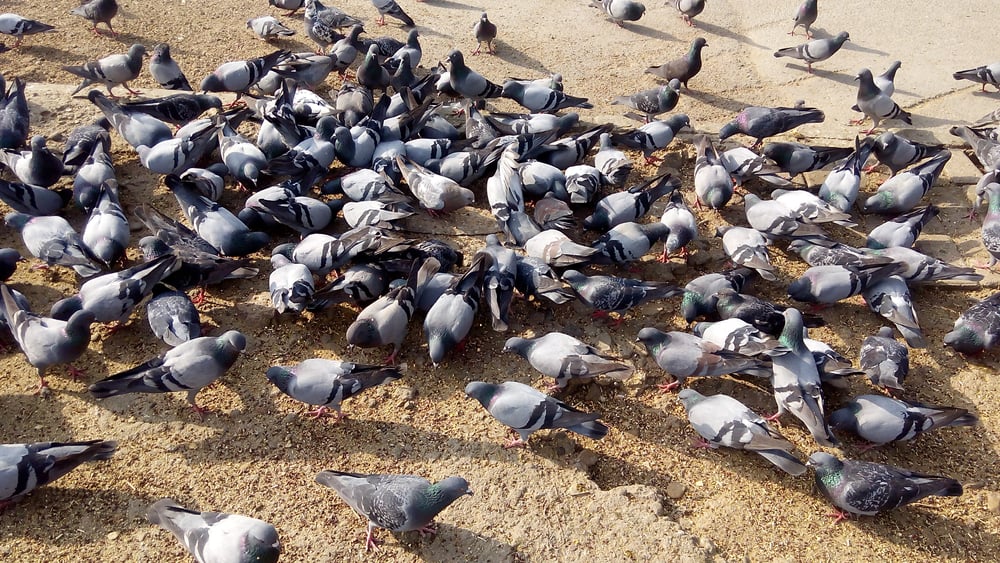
[{"x": 398, "y": 155}]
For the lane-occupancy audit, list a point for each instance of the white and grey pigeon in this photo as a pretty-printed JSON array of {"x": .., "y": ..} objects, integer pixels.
[
  {"x": 651, "y": 102},
  {"x": 721, "y": 420},
  {"x": 217, "y": 537},
  {"x": 213, "y": 222},
  {"x": 166, "y": 71},
  {"x": 391, "y": 8},
  {"x": 18, "y": 26},
  {"x": 653, "y": 136},
  {"x": 189, "y": 366},
  {"x": 631, "y": 204},
  {"x": 437, "y": 194},
  {"x": 682, "y": 225},
  {"x": 449, "y": 320},
  {"x": 540, "y": 98},
  {"x": 53, "y": 240},
  {"x": 841, "y": 186},
  {"x": 136, "y": 127},
  {"x": 902, "y": 192},
  {"x": 25, "y": 467},
  {"x": 811, "y": 208},
  {"x": 467, "y": 82},
  {"x": 555, "y": 249},
  {"x": 172, "y": 316},
  {"x": 713, "y": 185},
  {"x": 875, "y": 104},
  {"x": 902, "y": 230},
  {"x": 613, "y": 163},
  {"x": 290, "y": 285},
  {"x": 833, "y": 283},
  {"x": 882, "y": 420},
  {"x": 111, "y": 71},
  {"x": 629, "y": 242},
  {"x": 525, "y": 410},
  {"x": 736, "y": 335},
  {"x": 805, "y": 16},
  {"x": 565, "y": 359},
  {"x": 326, "y": 383},
  {"x": 398, "y": 503},
  {"x": 685, "y": 355},
  {"x": 886, "y": 81},
  {"x": 621, "y": 11},
  {"x": 743, "y": 164},
  {"x": 890, "y": 298},
  {"x": 816, "y": 50},
  {"x": 239, "y": 76},
  {"x": 775, "y": 219},
  {"x": 688, "y": 9},
  {"x": 885, "y": 360},
  {"x": 986, "y": 74},
  {"x": 268, "y": 28},
  {"x": 747, "y": 248},
  {"x": 37, "y": 166}
]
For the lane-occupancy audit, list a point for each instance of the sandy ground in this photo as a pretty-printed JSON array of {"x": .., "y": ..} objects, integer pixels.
[{"x": 642, "y": 493}]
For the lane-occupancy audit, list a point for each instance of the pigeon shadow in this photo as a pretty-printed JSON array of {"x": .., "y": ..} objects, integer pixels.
[
  {"x": 85, "y": 515},
  {"x": 516, "y": 57},
  {"x": 715, "y": 100},
  {"x": 452, "y": 543},
  {"x": 53, "y": 53},
  {"x": 649, "y": 32},
  {"x": 927, "y": 532},
  {"x": 847, "y": 80},
  {"x": 729, "y": 34},
  {"x": 451, "y": 5},
  {"x": 852, "y": 46}
]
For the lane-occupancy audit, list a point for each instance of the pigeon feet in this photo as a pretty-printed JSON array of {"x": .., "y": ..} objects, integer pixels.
[
  {"x": 515, "y": 443},
  {"x": 370, "y": 543},
  {"x": 43, "y": 390},
  {"x": 74, "y": 372},
  {"x": 773, "y": 418},
  {"x": 701, "y": 444},
  {"x": 839, "y": 516},
  {"x": 972, "y": 215},
  {"x": 669, "y": 387},
  {"x": 428, "y": 530}
]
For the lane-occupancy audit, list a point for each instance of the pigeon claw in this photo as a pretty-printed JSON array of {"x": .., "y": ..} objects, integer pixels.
[
  {"x": 701, "y": 444},
  {"x": 669, "y": 387},
  {"x": 839, "y": 516},
  {"x": 75, "y": 373},
  {"x": 515, "y": 443},
  {"x": 428, "y": 530}
]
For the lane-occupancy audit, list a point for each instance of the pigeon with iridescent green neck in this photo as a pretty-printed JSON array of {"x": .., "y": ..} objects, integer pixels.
[
  {"x": 882, "y": 420},
  {"x": 684, "y": 355},
  {"x": 978, "y": 328}
]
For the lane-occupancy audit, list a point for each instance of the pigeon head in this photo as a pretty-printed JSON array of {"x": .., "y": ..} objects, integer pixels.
[
  {"x": 689, "y": 398},
  {"x": 824, "y": 463},
  {"x": 234, "y": 339},
  {"x": 516, "y": 344},
  {"x": 161, "y": 52},
  {"x": 842, "y": 36},
  {"x": 261, "y": 545},
  {"x": 212, "y": 83},
  {"x": 964, "y": 340},
  {"x": 845, "y": 418},
  {"x": 16, "y": 220},
  {"x": 728, "y": 130},
  {"x": 280, "y": 377},
  {"x": 511, "y": 88},
  {"x": 677, "y": 122},
  {"x": 482, "y": 391},
  {"x": 152, "y": 247},
  {"x": 801, "y": 290},
  {"x": 791, "y": 334},
  {"x": 652, "y": 338},
  {"x": 447, "y": 491},
  {"x": 456, "y": 59},
  {"x": 364, "y": 333},
  {"x": 698, "y": 44},
  {"x": 64, "y": 308}
]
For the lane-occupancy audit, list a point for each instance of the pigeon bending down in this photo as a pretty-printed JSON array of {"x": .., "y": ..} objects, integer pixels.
[
  {"x": 762, "y": 314},
  {"x": 881, "y": 420},
  {"x": 565, "y": 359},
  {"x": 621, "y": 11},
  {"x": 701, "y": 294},
  {"x": 485, "y": 31},
  {"x": 898, "y": 152},
  {"x": 51, "y": 239},
  {"x": 762, "y": 122},
  {"x": 816, "y": 50},
  {"x": 805, "y": 16},
  {"x": 631, "y": 204},
  {"x": 111, "y": 71},
  {"x": 525, "y": 409},
  {"x": 326, "y": 383},
  {"x": 290, "y": 285},
  {"x": 684, "y": 68},
  {"x": 890, "y": 298},
  {"x": 35, "y": 167},
  {"x": 748, "y": 248},
  {"x": 25, "y": 467},
  {"x": 267, "y": 28},
  {"x": 841, "y": 186},
  {"x": 172, "y": 316},
  {"x": 684, "y": 355},
  {"x": 611, "y": 294},
  {"x": 829, "y": 284},
  {"x": 217, "y": 537},
  {"x": 166, "y": 71},
  {"x": 391, "y": 8},
  {"x": 654, "y": 101},
  {"x": 398, "y": 503},
  {"x": 449, "y": 320},
  {"x": 867, "y": 488},
  {"x": 97, "y": 11},
  {"x": 713, "y": 185},
  {"x": 886, "y": 361},
  {"x": 239, "y": 76},
  {"x": 902, "y": 230},
  {"x": 682, "y": 226},
  {"x": 986, "y": 74},
  {"x": 13, "y": 24},
  {"x": 189, "y": 366},
  {"x": 977, "y": 328},
  {"x": 721, "y": 420},
  {"x": 653, "y": 136}
]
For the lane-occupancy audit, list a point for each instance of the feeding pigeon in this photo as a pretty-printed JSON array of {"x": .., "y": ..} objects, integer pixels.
[
  {"x": 37, "y": 166},
  {"x": 990, "y": 232},
  {"x": 986, "y": 148},
  {"x": 172, "y": 316},
  {"x": 688, "y": 9},
  {"x": 325, "y": 383},
  {"x": 391, "y": 8},
  {"x": 525, "y": 410},
  {"x": 436, "y": 193},
  {"x": 684, "y": 355},
  {"x": 762, "y": 122},
  {"x": 449, "y": 320},
  {"x": 8, "y": 262},
  {"x": 398, "y": 503},
  {"x": 903, "y": 230},
  {"x": 628, "y": 242},
  {"x": 653, "y": 101},
  {"x": 268, "y": 27},
  {"x": 816, "y": 50},
  {"x": 166, "y": 71},
  {"x": 136, "y": 127},
  {"x": 684, "y": 68},
  {"x": 805, "y": 16},
  {"x": 881, "y": 420},
  {"x": 898, "y": 152},
  {"x": 652, "y": 136},
  {"x": 863, "y": 487},
  {"x": 811, "y": 208},
  {"x": 111, "y": 71},
  {"x": 701, "y": 294},
  {"x": 736, "y": 335},
  {"x": 15, "y": 117},
  {"x": 17, "y": 26},
  {"x": 292, "y": 5},
  {"x": 713, "y": 185},
  {"x": 217, "y": 537},
  {"x": 322, "y": 23},
  {"x": 890, "y": 297},
  {"x": 977, "y": 328},
  {"x": 215, "y": 223},
  {"x": 290, "y": 285},
  {"x": 920, "y": 268},
  {"x": 612, "y": 162},
  {"x": 621, "y": 11},
  {"x": 52, "y": 239},
  {"x": 538, "y": 98},
  {"x": 797, "y": 158},
  {"x": 682, "y": 225},
  {"x": 721, "y": 420},
  {"x": 97, "y": 11},
  {"x": 484, "y": 31},
  {"x": 774, "y": 219},
  {"x": 25, "y": 467},
  {"x": 829, "y": 284},
  {"x": 748, "y": 248},
  {"x": 564, "y": 358},
  {"x": 239, "y": 76},
  {"x": 986, "y": 74},
  {"x": 840, "y": 188},
  {"x": 631, "y": 204},
  {"x": 875, "y": 104},
  {"x": 557, "y": 250},
  {"x": 762, "y": 314},
  {"x": 886, "y": 361},
  {"x": 189, "y": 366},
  {"x": 611, "y": 294}
]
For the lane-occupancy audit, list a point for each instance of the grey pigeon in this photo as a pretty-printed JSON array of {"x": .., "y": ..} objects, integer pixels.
[
  {"x": 391, "y": 8},
  {"x": 811, "y": 208},
  {"x": 688, "y": 9},
  {"x": 37, "y": 166},
  {"x": 498, "y": 284},
  {"x": 903, "y": 230},
  {"x": 136, "y": 127},
  {"x": 743, "y": 164},
  {"x": 920, "y": 268},
  {"x": 217, "y": 537},
  {"x": 829, "y": 284},
  {"x": 611, "y": 294},
  {"x": 239, "y": 76},
  {"x": 166, "y": 71},
  {"x": 484, "y": 31},
  {"x": 700, "y": 294},
  {"x": 882, "y": 420},
  {"x": 867, "y": 488},
  {"x": 292, "y": 5},
  {"x": 538, "y": 98},
  {"x": 565, "y": 359},
  {"x": 816, "y": 50},
  {"x": 762, "y": 122},
  {"x": 621, "y": 11},
  {"x": 684, "y": 68},
  {"x": 556, "y": 249},
  {"x": 736, "y": 335},
  {"x": 322, "y": 23},
  {"x": 449, "y": 320},
  {"x": 178, "y": 109},
  {"x": 111, "y": 71},
  {"x": 898, "y": 152},
  {"x": 97, "y": 11},
  {"x": 92, "y": 177},
  {"x": 796, "y": 381},
  {"x": 525, "y": 410},
  {"x": 875, "y": 104},
  {"x": 977, "y": 328},
  {"x": 18, "y": 26},
  {"x": 536, "y": 278},
  {"x": 884, "y": 360},
  {"x": 46, "y": 342},
  {"x": 797, "y": 158},
  {"x": 805, "y": 16},
  {"x": 840, "y": 188},
  {"x": 189, "y": 366},
  {"x": 886, "y": 81},
  {"x": 25, "y": 467},
  {"x": 890, "y": 297},
  {"x": 613, "y": 163},
  {"x": 721, "y": 420},
  {"x": 467, "y": 82},
  {"x": 775, "y": 219},
  {"x": 583, "y": 182},
  {"x": 9, "y": 259},
  {"x": 398, "y": 503},
  {"x": 326, "y": 383},
  {"x": 682, "y": 225},
  {"x": 172, "y": 316},
  {"x": 713, "y": 185},
  {"x": 267, "y": 28},
  {"x": 243, "y": 159},
  {"x": 762, "y": 314},
  {"x": 629, "y": 242},
  {"x": 290, "y": 285},
  {"x": 986, "y": 149},
  {"x": 14, "y": 115},
  {"x": 653, "y": 136},
  {"x": 990, "y": 232},
  {"x": 370, "y": 73},
  {"x": 215, "y": 223},
  {"x": 52, "y": 240},
  {"x": 654, "y": 101},
  {"x": 986, "y": 74},
  {"x": 684, "y": 355},
  {"x": 631, "y": 204},
  {"x": 437, "y": 194},
  {"x": 748, "y": 248}
]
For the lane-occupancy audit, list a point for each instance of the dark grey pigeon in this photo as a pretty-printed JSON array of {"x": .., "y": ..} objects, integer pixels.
[
  {"x": 8, "y": 262},
  {"x": 903, "y": 192},
  {"x": 485, "y": 31},
  {"x": 398, "y": 503},
  {"x": 797, "y": 158},
  {"x": 863, "y": 487},
  {"x": 178, "y": 109},
  {"x": 762, "y": 314},
  {"x": 611, "y": 294},
  {"x": 829, "y": 284},
  {"x": 762, "y": 122},
  {"x": 217, "y": 536},
  {"x": 721, "y": 420},
  {"x": 653, "y": 136},
  {"x": 538, "y": 279},
  {"x": 684, "y": 355},
  {"x": 36, "y": 166},
  {"x": 15, "y": 118},
  {"x": 631, "y": 204},
  {"x": 25, "y": 467},
  {"x": 805, "y": 16},
  {"x": 467, "y": 82},
  {"x": 239, "y": 76},
  {"x": 621, "y": 11},
  {"x": 701, "y": 293},
  {"x": 97, "y": 11},
  {"x": 885, "y": 360},
  {"x": 654, "y": 101},
  {"x": 986, "y": 74},
  {"x": 897, "y": 152},
  {"x": 215, "y": 223},
  {"x": 325, "y": 383},
  {"x": 33, "y": 200},
  {"x": 52, "y": 240},
  {"x": 172, "y": 316},
  {"x": 684, "y": 68},
  {"x": 882, "y": 420},
  {"x": 978, "y": 328},
  {"x": 891, "y": 299},
  {"x": 565, "y": 359},
  {"x": 525, "y": 410},
  {"x": 166, "y": 71},
  {"x": 450, "y": 319},
  {"x": 816, "y": 50}
]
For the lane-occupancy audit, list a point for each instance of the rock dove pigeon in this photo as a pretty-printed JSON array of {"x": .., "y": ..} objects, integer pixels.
[
  {"x": 8, "y": 262},
  {"x": 653, "y": 136},
  {"x": 721, "y": 420},
  {"x": 990, "y": 232},
  {"x": 884, "y": 360},
  {"x": 736, "y": 335},
  {"x": 449, "y": 320},
  {"x": 485, "y": 31},
  {"x": 748, "y": 248},
  {"x": 436, "y": 193},
  {"x": 762, "y": 122},
  {"x": 875, "y": 104},
  {"x": 398, "y": 503},
  {"x": 805, "y": 16},
  {"x": 385, "y": 320},
  {"x": 829, "y": 284},
  {"x": 898, "y": 152},
  {"x": 903, "y": 230},
  {"x": 921, "y": 268},
  {"x": 611, "y": 294},
  {"x": 325, "y": 383},
  {"x": 538, "y": 98},
  {"x": 986, "y": 74},
  {"x": 682, "y": 225},
  {"x": 816, "y": 50},
  {"x": 525, "y": 410},
  {"x": 391, "y": 8},
  {"x": 290, "y": 285},
  {"x": 628, "y": 242},
  {"x": 797, "y": 158},
  {"x": 684, "y": 68},
  {"x": 775, "y": 219},
  {"x": 713, "y": 185},
  {"x": 654, "y": 101},
  {"x": 557, "y": 250},
  {"x": 701, "y": 294},
  {"x": 172, "y": 316},
  {"x": 215, "y": 223},
  {"x": 977, "y": 328},
  {"x": 467, "y": 82},
  {"x": 890, "y": 297},
  {"x": 267, "y": 28},
  {"x": 840, "y": 188},
  {"x": 15, "y": 117},
  {"x": 189, "y": 366},
  {"x": 564, "y": 358},
  {"x": 881, "y": 420},
  {"x": 37, "y": 166},
  {"x": 111, "y": 71},
  {"x": 631, "y": 204},
  {"x": 762, "y": 314},
  {"x": 886, "y": 81},
  {"x": 621, "y": 11},
  {"x": 811, "y": 208},
  {"x": 986, "y": 149},
  {"x": 684, "y": 355},
  {"x": 292, "y": 5},
  {"x": 166, "y": 71},
  {"x": 52, "y": 239},
  {"x": 688, "y": 9},
  {"x": 17, "y": 26},
  {"x": 25, "y": 467},
  {"x": 97, "y": 11},
  {"x": 867, "y": 488},
  {"x": 217, "y": 537},
  {"x": 322, "y": 23},
  {"x": 239, "y": 76}
]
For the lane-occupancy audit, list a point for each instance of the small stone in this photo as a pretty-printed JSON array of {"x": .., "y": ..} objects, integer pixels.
[
  {"x": 707, "y": 544},
  {"x": 289, "y": 418},
  {"x": 676, "y": 490},
  {"x": 587, "y": 459},
  {"x": 993, "y": 501},
  {"x": 112, "y": 535},
  {"x": 406, "y": 393},
  {"x": 594, "y": 393}
]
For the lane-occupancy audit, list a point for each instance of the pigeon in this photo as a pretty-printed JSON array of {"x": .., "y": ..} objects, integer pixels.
[
  {"x": 437, "y": 194},
  {"x": 398, "y": 503},
  {"x": 290, "y": 285},
  {"x": 748, "y": 248},
  {"x": 111, "y": 71},
  {"x": 564, "y": 358},
  {"x": 631, "y": 204},
  {"x": 166, "y": 71},
  {"x": 46, "y": 342},
  {"x": 391, "y": 8},
  {"x": 485, "y": 31},
  {"x": 830, "y": 284},
  {"x": 684, "y": 68},
  {"x": 325, "y": 383},
  {"x": 8, "y": 262},
  {"x": 735, "y": 335},
  {"x": 267, "y": 28},
  {"x": 903, "y": 230},
  {"x": 467, "y": 82},
  {"x": 805, "y": 16},
  {"x": 875, "y": 104},
  {"x": 684, "y": 355},
  {"x": 37, "y": 166},
  {"x": 763, "y": 315},
  {"x": 178, "y": 109},
  {"x": 886, "y": 81},
  {"x": 682, "y": 225},
  {"x": 881, "y": 420},
  {"x": 25, "y": 467},
  {"x": 172, "y": 316},
  {"x": 611, "y": 294},
  {"x": 921, "y": 268},
  {"x": 796, "y": 381},
  {"x": 14, "y": 115},
  {"x": 867, "y": 488},
  {"x": 52, "y": 240},
  {"x": 840, "y": 188},
  {"x": 217, "y": 537},
  {"x": 986, "y": 149},
  {"x": 621, "y": 11},
  {"x": 977, "y": 328},
  {"x": 816, "y": 50},
  {"x": 811, "y": 208},
  {"x": 583, "y": 182},
  {"x": 654, "y": 101},
  {"x": 555, "y": 249},
  {"x": 688, "y": 9},
  {"x": 774, "y": 219},
  {"x": 797, "y": 158},
  {"x": 653, "y": 136},
  {"x": 292, "y": 5},
  {"x": 243, "y": 159},
  {"x": 701, "y": 294},
  {"x": 628, "y": 242},
  {"x": 13, "y": 24},
  {"x": 322, "y": 23},
  {"x": 215, "y": 223},
  {"x": 526, "y": 410},
  {"x": 449, "y": 320},
  {"x": 898, "y": 152},
  {"x": 890, "y": 297},
  {"x": 990, "y": 232},
  {"x": 137, "y": 128},
  {"x": 541, "y": 99},
  {"x": 189, "y": 366},
  {"x": 721, "y": 420},
  {"x": 97, "y": 11},
  {"x": 239, "y": 76},
  {"x": 884, "y": 360},
  {"x": 743, "y": 164},
  {"x": 986, "y": 74},
  {"x": 762, "y": 122},
  {"x": 713, "y": 185}
]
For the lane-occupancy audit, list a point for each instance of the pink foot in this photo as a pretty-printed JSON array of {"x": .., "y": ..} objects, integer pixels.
[
  {"x": 370, "y": 543},
  {"x": 838, "y": 516},
  {"x": 774, "y": 417},
  {"x": 75, "y": 373},
  {"x": 515, "y": 443},
  {"x": 701, "y": 444},
  {"x": 669, "y": 387},
  {"x": 428, "y": 530}
]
